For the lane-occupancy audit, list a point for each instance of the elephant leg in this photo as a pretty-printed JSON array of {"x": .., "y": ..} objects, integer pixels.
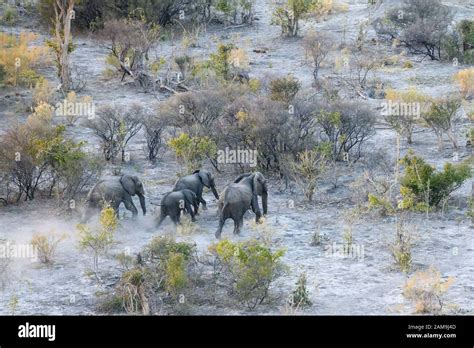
[
  {"x": 196, "y": 208},
  {"x": 190, "y": 210},
  {"x": 178, "y": 218},
  {"x": 221, "y": 226},
  {"x": 88, "y": 213},
  {"x": 204, "y": 204},
  {"x": 162, "y": 218},
  {"x": 131, "y": 207},
  {"x": 256, "y": 208},
  {"x": 115, "y": 206},
  {"x": 238, "y": 225}
]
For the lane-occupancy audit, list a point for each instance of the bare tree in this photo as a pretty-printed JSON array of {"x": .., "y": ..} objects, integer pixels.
[
  {"x": 317, "y": 47},
  {"x": 116, "y": 126},
  {"x": 154, "y": 127},
  {"x": 129, "y": 42},
  {"x": 62, "y": 42}
]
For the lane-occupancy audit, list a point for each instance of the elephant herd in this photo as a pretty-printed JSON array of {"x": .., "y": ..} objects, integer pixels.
[{"x": 234, "y": 201}]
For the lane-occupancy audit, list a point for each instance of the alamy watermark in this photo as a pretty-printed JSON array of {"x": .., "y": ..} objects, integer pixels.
[
  {"x": 18, "y": 251},
  {"x": 75, "y": 109},
  {"x": 237, "y": 156},
  {"x": 345, "y": 251}
]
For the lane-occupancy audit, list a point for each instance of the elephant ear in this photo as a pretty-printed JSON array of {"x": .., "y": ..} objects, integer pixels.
[
  {"x": 204, "y": 176},
  {"x": 129, "y": 184},
  {"x": 240, "y": 177},
  {"x": 257, "y": 183}
]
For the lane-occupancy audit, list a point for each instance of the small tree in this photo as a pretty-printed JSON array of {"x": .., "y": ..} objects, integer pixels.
[
  {"x": 300, "y": 296},
  {"x": 289, "y": 15},
  {"x": 403, "y": 111},
  {"x": 317, "y": 46},
  {"x": 154, "y": 127},
  {"x": 98, "y": 241},
  {"x": 308, "y": 168},
  {"x": 401, "y": 246},
  {"x": 441, "y": 118},
  {"x": 465, "y": 80}
]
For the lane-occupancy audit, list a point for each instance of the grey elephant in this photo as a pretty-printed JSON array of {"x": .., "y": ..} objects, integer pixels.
[
  {"x": 115, "y": 191},
  {"x": 196, "y": 183},
  {"x": 173, "y": 203},
  {"x": 241, "y": 196}
]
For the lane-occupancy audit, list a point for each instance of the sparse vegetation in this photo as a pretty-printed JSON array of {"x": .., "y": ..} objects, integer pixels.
[
  {"x": 46, "y": 245},
  {"x": 426, "y": 289}
]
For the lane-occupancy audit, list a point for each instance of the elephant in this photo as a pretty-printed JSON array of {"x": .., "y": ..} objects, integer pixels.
[
  {"x": 196, "y": 182},
  {"x": 176, "y": 201},
  {"x": 116, "y": 191},
  {"x": 239, "y": 197}
]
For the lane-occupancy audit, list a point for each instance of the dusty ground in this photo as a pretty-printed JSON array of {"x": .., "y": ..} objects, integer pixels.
[{"x": 365, "y": 285}]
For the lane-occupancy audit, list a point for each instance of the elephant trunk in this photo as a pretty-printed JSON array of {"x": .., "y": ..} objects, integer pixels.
[
  {"x": 265, "y": 201},
  {"x": 142, "y": 203},
  {"x": 214, "y": 191}
]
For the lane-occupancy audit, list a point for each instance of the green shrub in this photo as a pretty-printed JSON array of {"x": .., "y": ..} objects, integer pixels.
[
  {"x": 220, "y": 61},
  {"x": 300, "y": 296},
  {"x": 98, "y": 241},
  {"x": 284, "y": 89},
  {"x": 192, "y": 151},
  {"x": 424, "y": 184},
  {"x": 3, "y": 74},
  {"x": 10, "y": 16},
  {"x": 247, "y": 269},
  {"x": 401, "y": 247}
]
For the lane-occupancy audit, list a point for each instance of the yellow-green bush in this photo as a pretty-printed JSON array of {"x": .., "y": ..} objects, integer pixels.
[
  {"x": 193, "y": 150},
  {"x": 247, "y": 269},
  {"x": 19, "y": 58},
  {"x": 98, "y": 241},
  {"x": 421, "y": 183},
  {"x": 426, "y": 290}
]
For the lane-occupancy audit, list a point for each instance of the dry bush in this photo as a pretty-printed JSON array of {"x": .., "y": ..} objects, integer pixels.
[
  {"x": 401, "y": 246},
  {"x": 37, "y": 155},
  {"x": 317, "y": 46},
  {"x": 308, "y": 168},
  {"x": 346, "y": 126},
  {"x": 420, "y": 25},
  {"x": 46, "y": 245},
  {"x": 20, "y": 58},
  {"x": 408, "y": 103},
  {"x": 441, "y": 118},
  {"x": 426, "y": 290},
  {"x": 129, "y": 42},
  {"x": 42, "y": 93},
  {"x": 465, "y": 81}
]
